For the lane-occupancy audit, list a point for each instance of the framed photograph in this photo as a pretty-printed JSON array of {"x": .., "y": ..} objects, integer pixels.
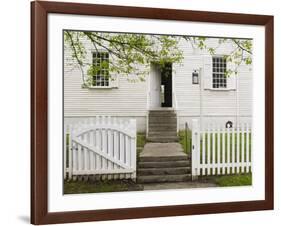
[{"x": 147, "y": 112}]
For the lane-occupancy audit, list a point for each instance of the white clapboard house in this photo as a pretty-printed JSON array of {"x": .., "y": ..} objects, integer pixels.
[{"x": 194, "y": 89}]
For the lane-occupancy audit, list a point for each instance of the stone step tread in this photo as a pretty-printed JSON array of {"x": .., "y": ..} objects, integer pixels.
[
  {"x": 162, "y": 133},
  {"x": 163, "y": 178},
  {"x": 162, "y": 130},
  {"x": 152, "y": 140},
  {"x": 163, "y": 171},
  {"x": 162, "y": 114},
  {"x": 162, "y": 138},
  {"x": 160, "y": 125},
  {"x": 160, "y": 120},
  {"x": 164, "y": 158},
  {"x": 167, "y": 164},
  {"x": 162, "y": 110}
]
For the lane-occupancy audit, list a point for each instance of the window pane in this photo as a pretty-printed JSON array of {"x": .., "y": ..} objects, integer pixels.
[
  {"x": 101, "y": 69},
  {"x": 219, "y": 69}
]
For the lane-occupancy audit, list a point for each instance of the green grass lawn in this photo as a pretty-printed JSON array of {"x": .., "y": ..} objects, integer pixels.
[
  {"x": 78, "y": 187},
  {"x": 234, "y": 180},
  {"x": 141, "y": 140},
  {"x": 185, "y": 140}
]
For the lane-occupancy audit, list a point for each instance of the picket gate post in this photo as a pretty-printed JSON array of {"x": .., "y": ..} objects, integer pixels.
[
  {"x": 70, "y": 152},
  {"x": 195, "y": 149}
]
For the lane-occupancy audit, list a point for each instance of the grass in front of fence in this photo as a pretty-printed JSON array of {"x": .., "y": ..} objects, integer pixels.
[
  {"x": 185, "y": 140},
  {"x": 141, "y": 140},
  {"x": 79, "y": 187},
  {"x": 234, "y": 180}
]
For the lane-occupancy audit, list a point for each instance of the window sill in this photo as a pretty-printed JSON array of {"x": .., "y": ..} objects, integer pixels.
[
  {"x": 220, "y": 89},
  {"x": 99, "y": 87}
]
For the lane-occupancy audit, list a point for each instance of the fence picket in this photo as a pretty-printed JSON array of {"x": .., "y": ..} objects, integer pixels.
[
  {"x": 219, "y": 151},
  {"x": 233, "y": 150},
  {"x": 247, "y": 147},
  {"x": 223, "y": 150},
  {"x": 103, "y": 145},
  {"x": 65, "y": 153},
  {"x": 98, "y": 144},
  {"x": 228, "y": 151},
  {"x": 70, "y": 152},
  {"x": 110, "y": 146},
  {"x": 209, "y": 151},
  {"x": 133, "y": 149},
  {"x": 243, "y": 149},
  {"x": 85, "y": 154},
  {"x": 203, "y": 152},
  {"x": 127, "y": 151},
  {"x": 91, "y": 142},
  {"x": 237, "y": 148},
  {"x": 213, "y": 151},
  {"x": 122, "y": 147}
]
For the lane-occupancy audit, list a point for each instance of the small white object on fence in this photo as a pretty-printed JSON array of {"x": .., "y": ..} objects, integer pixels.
[
  {"x": 217, "y": 150},
  {"x": 104, "y": 147}
]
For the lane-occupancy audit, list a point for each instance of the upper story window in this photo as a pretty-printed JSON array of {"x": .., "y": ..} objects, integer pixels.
[
  {"x": 101, "y": 69},
  {"x": 219, "y": 72}
]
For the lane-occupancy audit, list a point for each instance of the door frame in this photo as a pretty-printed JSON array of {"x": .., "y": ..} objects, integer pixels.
[{"x": 148, "y": 94}]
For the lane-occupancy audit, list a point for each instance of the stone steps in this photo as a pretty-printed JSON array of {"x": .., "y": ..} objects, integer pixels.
[
  {"x": 162, "y": 126},
  {"x": 170, "y": 126},
  {"x": 164, "y": 158},
  {"x": 163, "y": 178},
  {"x": 163, "y": 139},
  {"x": 162, "y": 120},
  {"x": 164, "y": 164},
  {"x": 162, "y": 111},
  {"x": 162, "y": 133},
  {"x": 163, "y": 171}
]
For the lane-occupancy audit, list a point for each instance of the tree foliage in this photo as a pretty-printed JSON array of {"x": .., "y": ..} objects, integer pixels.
[{"x": 133, "y": 53}]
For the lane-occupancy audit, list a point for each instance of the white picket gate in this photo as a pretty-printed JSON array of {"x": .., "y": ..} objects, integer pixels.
[
  {"x": 217, "y": 150},
  {"x": 100, "y": 146}
]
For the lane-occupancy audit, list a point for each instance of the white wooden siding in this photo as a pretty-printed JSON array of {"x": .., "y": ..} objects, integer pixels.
[
  {"x": 127, "y": 99},
  {"x": 130, "y": 99},
  {"x": 214, "y": 102}
]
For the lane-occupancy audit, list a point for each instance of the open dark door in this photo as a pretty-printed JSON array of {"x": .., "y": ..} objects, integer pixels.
[{"x": 166, "y": 85}]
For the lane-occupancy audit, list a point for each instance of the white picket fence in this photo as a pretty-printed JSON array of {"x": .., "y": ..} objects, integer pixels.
[
  {"x": 217, "y": 150},
  {"x": 102, "y": 147}
]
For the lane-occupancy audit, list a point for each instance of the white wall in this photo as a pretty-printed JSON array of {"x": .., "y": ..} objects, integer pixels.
[
  {"x": 15, "y": 110},
  {"x": 129, "y": 99},
  {"x": 217, "y": 106}
]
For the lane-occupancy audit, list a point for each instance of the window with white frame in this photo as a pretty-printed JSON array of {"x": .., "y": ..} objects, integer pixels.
[
  {"x": 101, "y": 69},
  {"x": 219, "y": 72}
]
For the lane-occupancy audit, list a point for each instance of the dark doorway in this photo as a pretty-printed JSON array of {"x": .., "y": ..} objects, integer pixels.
[{"x": 166, "y": 85}]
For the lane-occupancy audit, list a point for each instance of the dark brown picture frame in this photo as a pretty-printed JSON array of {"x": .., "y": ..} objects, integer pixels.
[{"x": 39, "y": 112}]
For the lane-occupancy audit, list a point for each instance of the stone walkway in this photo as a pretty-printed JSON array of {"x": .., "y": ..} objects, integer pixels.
[
  {"x": 177, "y": 185},
  {"x": 162, "y": 150}
]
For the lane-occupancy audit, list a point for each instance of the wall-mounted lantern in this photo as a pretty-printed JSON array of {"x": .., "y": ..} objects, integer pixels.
[{"x": 195, "y": 77}]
